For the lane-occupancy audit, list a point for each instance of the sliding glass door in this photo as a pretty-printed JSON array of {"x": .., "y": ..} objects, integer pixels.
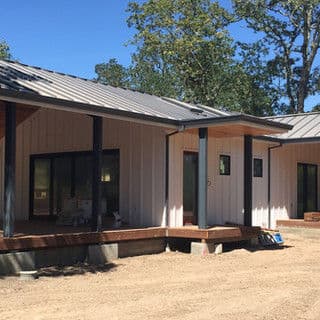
[{"x": 55, "y": 178}]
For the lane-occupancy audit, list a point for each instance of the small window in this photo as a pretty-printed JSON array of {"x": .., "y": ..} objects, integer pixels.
[
  {"x": 224, "y": 165},
  {"x": 257, "y": 168}
]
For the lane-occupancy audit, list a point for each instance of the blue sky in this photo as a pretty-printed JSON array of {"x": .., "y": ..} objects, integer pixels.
[
  {"x": 72, "y": 36},
  {"x": 66, "y": 35}
]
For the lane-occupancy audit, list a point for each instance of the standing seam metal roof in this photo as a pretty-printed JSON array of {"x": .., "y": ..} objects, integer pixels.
[
  {"x": 305, "y": 125},
  {"x": 22, "y": 78}
]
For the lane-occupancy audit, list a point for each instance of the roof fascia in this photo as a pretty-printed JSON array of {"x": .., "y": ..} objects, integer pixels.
[
  {"x": 289, "y": 141},
  {"x": 239, "y": 119},
  {"x": 88, "y": 109}
]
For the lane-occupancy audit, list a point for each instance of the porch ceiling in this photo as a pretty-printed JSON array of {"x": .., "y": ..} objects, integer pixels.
[
  {"x": 23, "y": 112},
  {"x": 236, "y": 129}
]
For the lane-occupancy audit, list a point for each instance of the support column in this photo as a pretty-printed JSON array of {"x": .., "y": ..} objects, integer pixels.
[
  {"x": 96, "y": 221},
  {"x": 9, "y": 169},
  {"x": 202, "y": 178},
  {"x": 247, "y": 180}
]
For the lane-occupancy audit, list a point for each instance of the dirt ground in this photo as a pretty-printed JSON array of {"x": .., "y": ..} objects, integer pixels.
[{"x": 239, "y": 284}]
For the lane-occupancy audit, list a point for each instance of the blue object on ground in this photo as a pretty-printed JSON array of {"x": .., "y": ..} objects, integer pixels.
[{"x": 278, "y": 238}]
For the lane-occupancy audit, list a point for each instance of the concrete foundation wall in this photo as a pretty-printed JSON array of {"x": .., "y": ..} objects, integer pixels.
[{"x": 14, "y": 262}]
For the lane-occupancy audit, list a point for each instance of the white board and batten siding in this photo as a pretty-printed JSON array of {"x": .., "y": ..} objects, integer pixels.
[
  {"x": 142, "y": 169},
  {"x": 225, "y": 193},
  {"x": 284, "y": 162},
  {"x": 283, "y": 175},
  {"x": 142, "y": 159},
  {"x": 260, "y": 186}
]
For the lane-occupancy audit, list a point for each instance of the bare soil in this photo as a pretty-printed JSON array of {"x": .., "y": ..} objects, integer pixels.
[{"x": 239, "y": 284}]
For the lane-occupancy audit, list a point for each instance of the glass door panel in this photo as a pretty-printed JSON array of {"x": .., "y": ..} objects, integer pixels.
[
  {"x": 307, "y": 189},
  {"x": 300, "y": 200},
  {"x": 190, "y": 187},
  {"x": 110, "y": 183},
  {"x": 42, "y": 187},
  {"x": 62, "y": 182},
  {"x": 83, "y": 177},
  {"x": 311, "y": 196}
]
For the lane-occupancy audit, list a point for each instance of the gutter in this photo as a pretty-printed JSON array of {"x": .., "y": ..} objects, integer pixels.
[{"x": 269, "y": 181}]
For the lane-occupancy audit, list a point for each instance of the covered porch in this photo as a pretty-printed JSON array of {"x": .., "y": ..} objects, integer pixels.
[{"x": 39, "y": 126}]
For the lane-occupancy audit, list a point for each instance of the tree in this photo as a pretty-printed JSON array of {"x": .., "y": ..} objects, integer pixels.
[
  {"x": 185, "y": 44},
  {"x": 4, "y": 50},
  {"x": 292, "y": 29},
  {"x": 185, "y": 51},
  {"x": 112, "y": 73},
  {"x": 316, "y": 108},
  {"x": 148, "y": 75}
]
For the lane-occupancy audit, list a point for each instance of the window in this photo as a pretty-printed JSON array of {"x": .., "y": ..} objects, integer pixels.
[
  {"x": 224, "y": 165},
  {"x": 257, "y": 168}
]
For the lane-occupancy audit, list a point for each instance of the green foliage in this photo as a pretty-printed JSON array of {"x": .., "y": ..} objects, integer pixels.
[
  {"x": 112, "y": 73},
  {"x": 4, "y": 50},
  {"x": 292, "y": 29},
  {"x": 316, "y": 108},
  {"x": 184, "y": 45},
  {"x": 184, "y": 51}
]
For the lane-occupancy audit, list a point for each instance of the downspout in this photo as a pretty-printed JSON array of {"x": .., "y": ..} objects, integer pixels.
[
  {"x": 181, "y": 129},
  {"x": 269, "y": 182}
]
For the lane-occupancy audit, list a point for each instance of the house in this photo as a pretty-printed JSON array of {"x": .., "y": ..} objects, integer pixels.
[{"x": 156, "y": 161}]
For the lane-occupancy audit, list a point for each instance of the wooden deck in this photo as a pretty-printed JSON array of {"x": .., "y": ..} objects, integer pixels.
[
  {"x": 298, "y": 223},
  {"x": 40, "y": 235},
  {"x": 221, "y": 233}
]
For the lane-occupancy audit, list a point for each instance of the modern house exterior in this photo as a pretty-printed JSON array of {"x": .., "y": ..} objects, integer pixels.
[{"x": 156, "y": 161}]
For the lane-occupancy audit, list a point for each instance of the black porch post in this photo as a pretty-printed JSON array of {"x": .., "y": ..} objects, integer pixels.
[
  {"x": 96, "y": 174},
  {"x": 202, "y": 178},
  {"x": 247, "y": 180},
  {"x": 9, "y": 169}
]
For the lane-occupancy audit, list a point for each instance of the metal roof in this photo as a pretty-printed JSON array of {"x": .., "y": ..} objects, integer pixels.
[
  {"x": 19, "y": 77},
  {"x": 306, "y": 126},
  {"x": 37, "y": 86}
]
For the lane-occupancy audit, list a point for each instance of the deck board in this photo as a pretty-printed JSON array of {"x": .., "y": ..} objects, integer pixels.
[
  {"x": 37, "y": 235},
  {"x": 298, "y": 223}
]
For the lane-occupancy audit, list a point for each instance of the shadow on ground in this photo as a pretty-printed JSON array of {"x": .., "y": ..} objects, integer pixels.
[
  {"x": 77, "y": 269},
  {"x": 228, "y": 247}
]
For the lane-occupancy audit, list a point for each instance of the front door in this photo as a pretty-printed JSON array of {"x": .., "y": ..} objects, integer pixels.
[
  {"x": 190, "y": 187},
  {"x": 307, "y": 188}
]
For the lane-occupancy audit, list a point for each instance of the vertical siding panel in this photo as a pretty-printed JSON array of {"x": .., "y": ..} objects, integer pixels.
[{"x": 131, "y": 180}]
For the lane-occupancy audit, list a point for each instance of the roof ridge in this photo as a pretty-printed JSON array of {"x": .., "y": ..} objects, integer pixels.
[
  {"x": 50, "y": 70},
  {"x": 293, "y": 115}
]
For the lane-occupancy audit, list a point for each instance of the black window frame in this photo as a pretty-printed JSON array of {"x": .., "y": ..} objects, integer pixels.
[
  {"x": 223, "y": 157},
  {"x": 258, "y": 174}
]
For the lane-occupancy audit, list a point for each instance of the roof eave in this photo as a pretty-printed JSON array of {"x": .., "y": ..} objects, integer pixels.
[
  {"x": 88, "y": 109},
  {"x": 288, "y": 140},
  {"x": 238, "y": 119}
]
